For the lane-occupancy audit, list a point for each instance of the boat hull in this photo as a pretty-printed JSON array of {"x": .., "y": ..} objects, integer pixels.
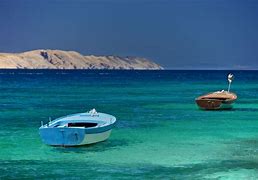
[
  {"x": 94, "y": 138},
  {"x": 213, "y": 104},
  {"x": 72, "y": 136},
  {"x": 216, "y": 100}
]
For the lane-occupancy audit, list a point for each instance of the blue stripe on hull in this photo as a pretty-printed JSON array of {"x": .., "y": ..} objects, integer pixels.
[{"x": 99, "y": 129}]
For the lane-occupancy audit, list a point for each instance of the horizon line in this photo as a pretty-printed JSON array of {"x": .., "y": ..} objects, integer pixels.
[{"x": 134, "y": 69}]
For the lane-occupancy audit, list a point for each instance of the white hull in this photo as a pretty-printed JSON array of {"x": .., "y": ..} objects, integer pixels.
[{"x": 93, "y": 138}]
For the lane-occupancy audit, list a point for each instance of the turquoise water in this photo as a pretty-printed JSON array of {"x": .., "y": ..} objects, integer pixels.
[{"x": 160, "y": 132}]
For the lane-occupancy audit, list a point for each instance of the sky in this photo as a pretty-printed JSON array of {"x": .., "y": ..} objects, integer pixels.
[{"x": 177, "y": 34}]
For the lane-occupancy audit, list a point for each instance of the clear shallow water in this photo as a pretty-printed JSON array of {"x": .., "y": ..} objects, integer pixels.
[{"x": 160, "y": 132}]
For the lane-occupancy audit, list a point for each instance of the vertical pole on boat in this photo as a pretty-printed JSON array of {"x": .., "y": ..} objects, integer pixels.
[{"x": 230, "y": 79}]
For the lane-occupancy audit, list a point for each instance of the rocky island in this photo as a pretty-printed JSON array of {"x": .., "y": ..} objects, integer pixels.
[{"x": 58, "y": 59}]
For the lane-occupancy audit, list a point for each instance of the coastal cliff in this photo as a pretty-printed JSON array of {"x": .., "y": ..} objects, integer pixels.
[{"x": 57, "y": 59}]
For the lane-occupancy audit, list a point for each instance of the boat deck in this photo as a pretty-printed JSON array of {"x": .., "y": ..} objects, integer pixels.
[{"x": 100, "y": 119}]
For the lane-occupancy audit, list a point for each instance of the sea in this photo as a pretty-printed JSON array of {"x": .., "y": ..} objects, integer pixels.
[{"x": 160, "y": 132}]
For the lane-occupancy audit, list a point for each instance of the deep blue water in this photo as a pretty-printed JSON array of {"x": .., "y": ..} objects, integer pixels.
[{"x": 160, "y": 132}]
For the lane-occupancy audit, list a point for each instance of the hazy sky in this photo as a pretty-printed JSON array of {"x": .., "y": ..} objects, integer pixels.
[{"x": 178, "y": 34}]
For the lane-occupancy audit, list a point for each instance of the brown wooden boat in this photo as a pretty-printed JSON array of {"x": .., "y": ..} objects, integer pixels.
[{"x": 216, "y": 100}]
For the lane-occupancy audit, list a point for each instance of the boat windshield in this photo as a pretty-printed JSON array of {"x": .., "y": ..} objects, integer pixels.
[
  {"x": 215, "y": 98},
  {"x": 84, "y": 124}
]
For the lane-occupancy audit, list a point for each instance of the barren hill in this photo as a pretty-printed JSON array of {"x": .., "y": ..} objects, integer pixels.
[{"x": 57, "y": 59}]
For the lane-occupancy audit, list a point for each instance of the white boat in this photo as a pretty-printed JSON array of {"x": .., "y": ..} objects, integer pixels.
[{"x": 78, "y": 129}]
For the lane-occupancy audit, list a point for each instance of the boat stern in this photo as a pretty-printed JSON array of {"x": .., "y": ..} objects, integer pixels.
[{"x": 61, "y": 136}]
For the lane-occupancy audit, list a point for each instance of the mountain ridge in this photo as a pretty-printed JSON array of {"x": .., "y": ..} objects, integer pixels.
[{"x": 59, "y": 59}]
